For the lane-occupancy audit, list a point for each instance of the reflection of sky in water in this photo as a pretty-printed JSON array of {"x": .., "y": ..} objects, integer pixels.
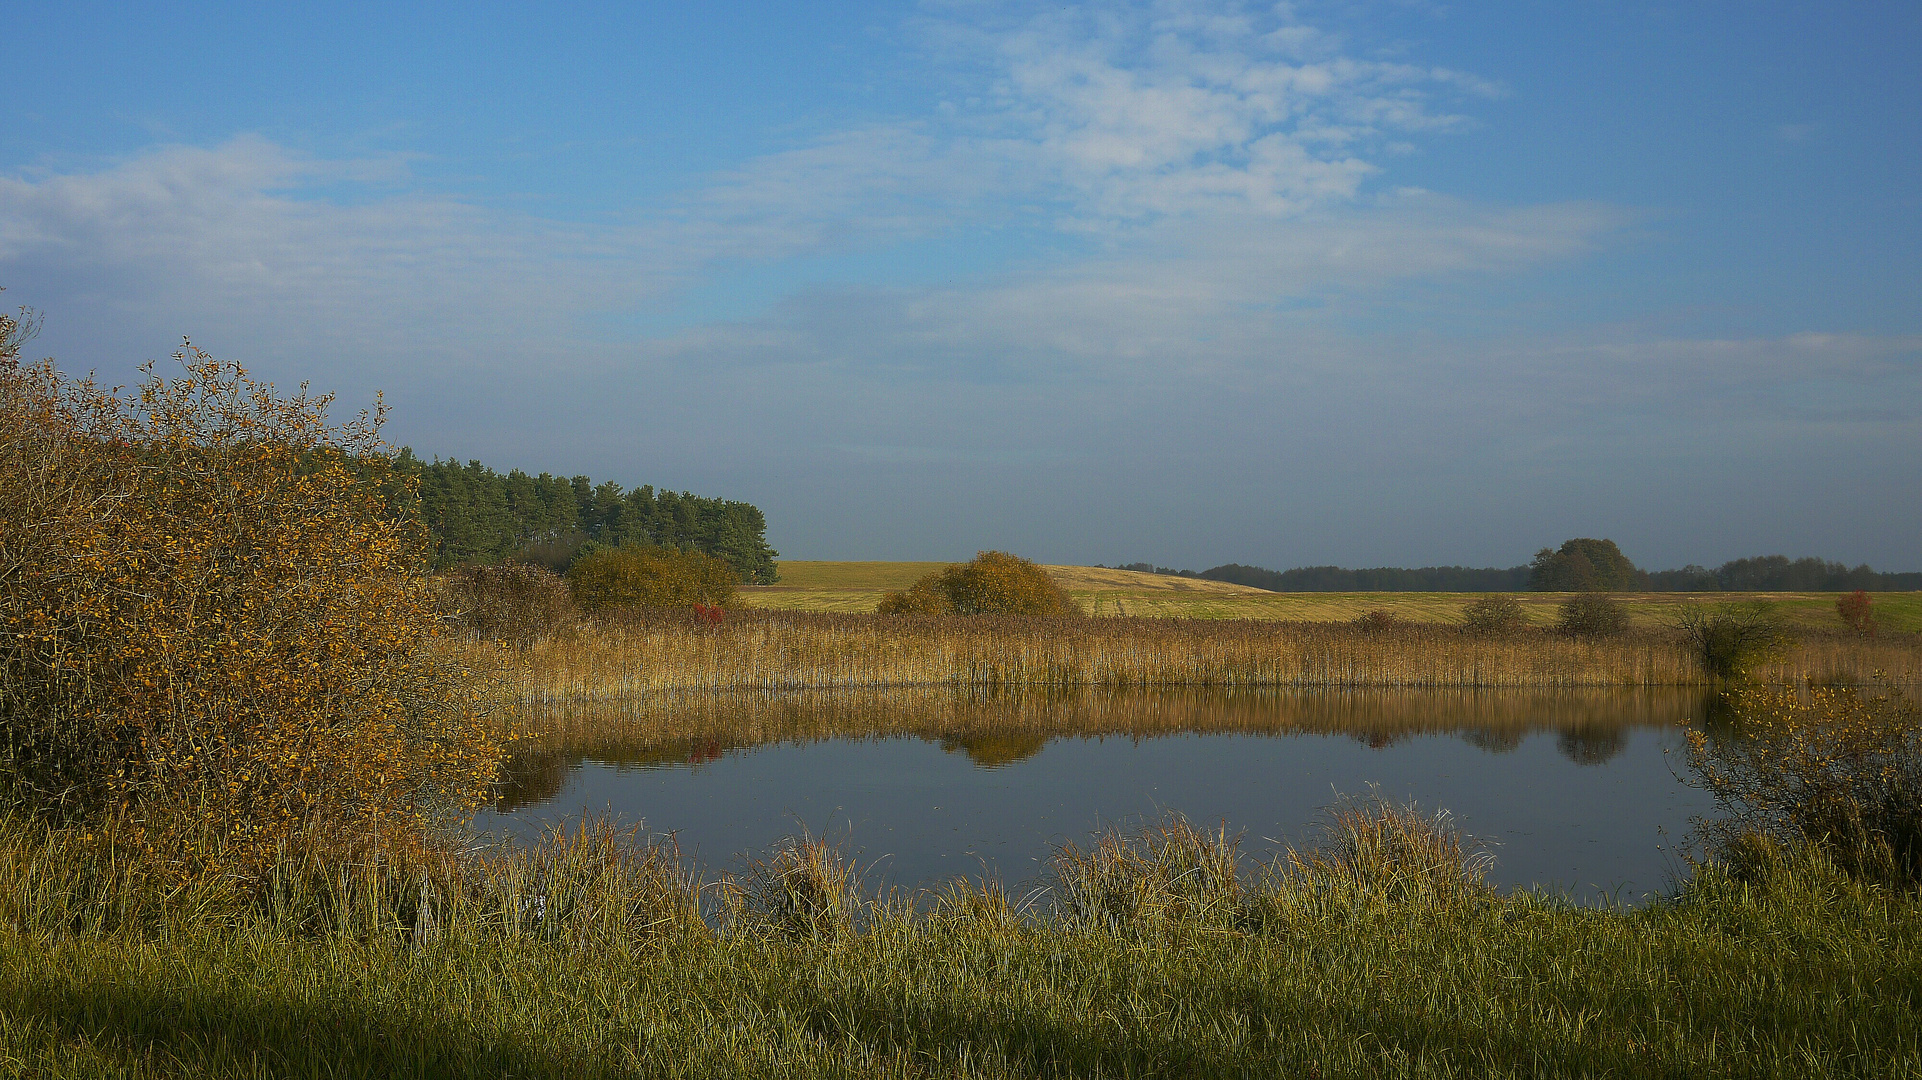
[{"x": 1588, "y": 810}]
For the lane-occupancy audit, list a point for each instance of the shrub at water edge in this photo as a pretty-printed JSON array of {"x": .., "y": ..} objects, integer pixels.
[
  {"x": 511, "y": 602},
  {"x": 1836, "y": 768},
  {"x": 220, "y": 627}
]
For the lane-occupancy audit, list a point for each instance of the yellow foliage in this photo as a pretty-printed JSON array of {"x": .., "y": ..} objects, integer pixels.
[
  {"x": 217, "y": 626},
  {"x": 994, "y": 583},
  {"x": 1836, "y": 766},
  {"x": 647, "y": 577}
]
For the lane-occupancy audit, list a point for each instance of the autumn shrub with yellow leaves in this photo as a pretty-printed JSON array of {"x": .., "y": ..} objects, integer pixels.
[
  {"x": 631, "y": 577},
  {"x": 993, "y": 583},
  {"x": 1839, "y": 768},
  {"x": 217, "y": 628}
]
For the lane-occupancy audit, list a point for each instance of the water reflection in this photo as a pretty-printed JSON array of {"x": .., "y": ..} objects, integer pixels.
[
  {"x": 1578, "y": 789},
  {"x": 1591, "y": 744},
  {"x": 997, "y": 730},
  {"x": 995, "y": 749}
]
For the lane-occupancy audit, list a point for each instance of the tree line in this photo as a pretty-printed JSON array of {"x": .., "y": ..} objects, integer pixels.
[
  {"x": 1579, "y": 565},
  {"x": 476, "y": 516}
]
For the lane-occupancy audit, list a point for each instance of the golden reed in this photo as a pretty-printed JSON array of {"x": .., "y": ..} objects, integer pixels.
[{"x": 619, "y": 658}]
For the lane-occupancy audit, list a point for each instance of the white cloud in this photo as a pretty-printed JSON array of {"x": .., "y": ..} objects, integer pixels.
[
  {"x": 1214, "y": 173},
  {"x": 1176, "y": 108},
  {"x": 1198, "y": 135},
  {"x": 233, "y": 238}
]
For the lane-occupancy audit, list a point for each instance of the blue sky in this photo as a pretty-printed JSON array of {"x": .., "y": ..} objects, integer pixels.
[{"x": 1356, "y": 283}]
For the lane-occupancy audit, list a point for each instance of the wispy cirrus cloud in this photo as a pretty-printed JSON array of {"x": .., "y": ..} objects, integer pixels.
[{"x": 1176, "y": 108}]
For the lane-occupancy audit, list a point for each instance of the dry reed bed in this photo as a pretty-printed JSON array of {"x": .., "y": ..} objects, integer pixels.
[
  {"x": 793, "y": 651},
  {"x": 755, "y": 718}
]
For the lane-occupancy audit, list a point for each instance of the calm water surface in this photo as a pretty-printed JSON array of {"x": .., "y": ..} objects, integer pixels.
[{"x": 1580, "y": 792}]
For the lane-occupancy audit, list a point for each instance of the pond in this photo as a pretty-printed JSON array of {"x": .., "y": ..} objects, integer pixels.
[{"x": 1579, "y": 792}]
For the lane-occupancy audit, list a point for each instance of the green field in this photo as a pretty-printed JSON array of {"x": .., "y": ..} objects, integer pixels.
[{"x": 858, "y": 586}]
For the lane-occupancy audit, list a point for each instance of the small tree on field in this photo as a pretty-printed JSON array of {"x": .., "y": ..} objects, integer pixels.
[
  {"x": 994, "y": 583},
  {"x": 651, "y": 577},
  {"x": 1730, "y": 640},
  {"x": 1494, "y": 615},
  {"x": 218, "y": 627},
  {"x": 1857, "y": 611},
  {"x": 1591, "y": 615}
]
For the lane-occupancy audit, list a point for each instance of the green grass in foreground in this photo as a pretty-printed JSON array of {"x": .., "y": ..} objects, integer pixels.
[{"x": 1805, "y": 975}]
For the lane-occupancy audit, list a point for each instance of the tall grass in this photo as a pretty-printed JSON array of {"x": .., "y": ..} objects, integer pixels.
[
  {"x": 596, "y": 885},
  {"x": 1170, "y": 872},
  {"x": 804, "y": 888},
  {"x": 789, "y": 651},
  {"x": 1376, "y": 849},
  {"x": 1800, "y": 971}
]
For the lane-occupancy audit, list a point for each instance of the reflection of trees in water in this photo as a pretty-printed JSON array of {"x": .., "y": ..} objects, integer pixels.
[
  {"x": 528, "y": 779},
  {"x": 1721, "y": 718},
  {"x": 1494, "y": 740},
  {"x": 534, "y": 776},
  {"x": 1591, "y": 744},
  {"x": 1378, "y": 739},
  {"x": 998, "y": 748},
  {"x": 996, "y": 729}
]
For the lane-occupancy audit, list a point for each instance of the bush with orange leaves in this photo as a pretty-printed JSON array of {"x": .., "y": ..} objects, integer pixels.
[{"x": 217, "y": 628}]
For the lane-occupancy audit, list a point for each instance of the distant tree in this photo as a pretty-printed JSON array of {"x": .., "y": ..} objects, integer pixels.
[
  {"x": 1494, "y": 615},
  {"x": 994, "y": 583},
  {"x": 1857, "y": 611},
  {"x": 1584, "y": 565},
  {"x": 650, "y": 577},
  {"x": 1779, "y": 573},
  {"x": 1591, "y": 615},
  {"x": 1690, "y": 578}
]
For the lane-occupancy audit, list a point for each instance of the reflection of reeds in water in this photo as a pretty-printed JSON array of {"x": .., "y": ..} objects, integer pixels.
[
  {"x": 792, "y": 651},
  {"x": 999, "y": 728}
]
